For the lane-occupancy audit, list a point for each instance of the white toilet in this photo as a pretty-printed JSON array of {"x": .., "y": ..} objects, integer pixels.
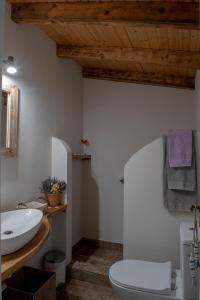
[{"x": 143, "y": 280}]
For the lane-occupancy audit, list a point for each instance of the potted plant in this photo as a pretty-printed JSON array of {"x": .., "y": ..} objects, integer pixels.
[{"x": 53, "y": 189}]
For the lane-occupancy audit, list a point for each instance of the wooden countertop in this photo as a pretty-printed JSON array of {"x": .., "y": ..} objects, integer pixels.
[
  {"x": 12, "y": 262},
  {"x": 51, "y": 211}
]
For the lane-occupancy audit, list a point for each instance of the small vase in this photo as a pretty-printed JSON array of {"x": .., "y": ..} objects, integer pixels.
[{"x": 54, "y": 199}]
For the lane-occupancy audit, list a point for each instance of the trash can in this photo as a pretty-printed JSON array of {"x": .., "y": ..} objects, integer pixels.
[
  {"x": 55, "y": 261},
  {"x": 30, "y": 284}
]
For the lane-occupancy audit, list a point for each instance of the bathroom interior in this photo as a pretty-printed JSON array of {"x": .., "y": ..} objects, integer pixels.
[{"x": 100, "y": 149}]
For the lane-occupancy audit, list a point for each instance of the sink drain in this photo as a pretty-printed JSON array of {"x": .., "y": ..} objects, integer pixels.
[{"x": 8, "y": 232}]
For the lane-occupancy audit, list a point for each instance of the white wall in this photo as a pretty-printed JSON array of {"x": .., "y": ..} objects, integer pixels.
[
  {"x": 150, "y": 231},
  {"x": 62, "y": 169},
  {"x": 119, "y": 119},
  {"x": 50, "y": 105}
]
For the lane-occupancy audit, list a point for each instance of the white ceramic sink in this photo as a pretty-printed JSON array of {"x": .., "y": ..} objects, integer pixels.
[{"x": 18, "y": 227}]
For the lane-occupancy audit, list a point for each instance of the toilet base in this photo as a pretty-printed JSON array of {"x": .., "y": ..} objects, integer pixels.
[{"x": 129, "y": 294}]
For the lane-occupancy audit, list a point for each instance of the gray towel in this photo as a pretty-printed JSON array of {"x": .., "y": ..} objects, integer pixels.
[{"x": 176, "y": 200}]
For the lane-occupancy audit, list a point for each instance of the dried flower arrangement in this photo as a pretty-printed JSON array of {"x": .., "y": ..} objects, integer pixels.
[{"x": 53, "y": 189}]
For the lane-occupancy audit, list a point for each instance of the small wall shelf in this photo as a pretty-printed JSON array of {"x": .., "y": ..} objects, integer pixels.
[
  {"x": 81, "y": 156},
  {"x": 51, "y": 211}
]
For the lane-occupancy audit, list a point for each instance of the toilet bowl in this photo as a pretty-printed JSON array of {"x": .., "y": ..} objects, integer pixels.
[{"x": 143, "y": 280}]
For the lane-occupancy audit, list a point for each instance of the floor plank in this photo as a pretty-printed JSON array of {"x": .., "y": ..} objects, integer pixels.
[{"x": 89, "y": 272}]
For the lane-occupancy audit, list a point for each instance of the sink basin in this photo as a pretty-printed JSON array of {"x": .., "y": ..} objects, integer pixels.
[{"x": 18, "y": 227}]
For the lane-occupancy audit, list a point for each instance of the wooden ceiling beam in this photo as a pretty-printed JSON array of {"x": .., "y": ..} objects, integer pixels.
[
  {"x": 53, "y": 1},
  {"x": 141, "y": 78},
  {"x": 134, "y": 12},
  {"x": 136, "y": 55}
]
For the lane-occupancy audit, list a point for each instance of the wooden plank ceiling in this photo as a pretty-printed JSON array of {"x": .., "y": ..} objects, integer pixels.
[{"x": 152, "y": 42}]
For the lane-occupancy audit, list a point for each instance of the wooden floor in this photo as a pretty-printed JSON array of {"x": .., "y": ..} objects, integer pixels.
[{"x": 88, "y": 272}]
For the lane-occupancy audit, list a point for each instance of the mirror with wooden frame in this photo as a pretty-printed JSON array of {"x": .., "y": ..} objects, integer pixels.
[{"x": 9, "y": 120}]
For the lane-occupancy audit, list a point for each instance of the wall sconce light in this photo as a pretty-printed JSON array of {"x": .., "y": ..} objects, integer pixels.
[{"x": 10, "y": 66}]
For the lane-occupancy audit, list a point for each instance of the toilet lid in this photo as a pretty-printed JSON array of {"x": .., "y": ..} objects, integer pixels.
[{"x": 142, "y": 275}]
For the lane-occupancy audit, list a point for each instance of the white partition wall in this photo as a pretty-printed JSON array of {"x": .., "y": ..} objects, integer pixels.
[
  {"x": 60, "y": 236},
  {"x": 150, "y": 231},
  {"x": 62, "y": 223}
]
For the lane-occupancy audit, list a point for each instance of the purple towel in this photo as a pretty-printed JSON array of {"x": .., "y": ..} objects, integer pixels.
[{"x": 180, "y": 147}]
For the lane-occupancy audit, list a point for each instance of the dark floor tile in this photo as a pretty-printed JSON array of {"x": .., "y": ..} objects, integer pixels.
[
  {"x": 89, "y": 271},
  {"x": 82, "y": 290}
]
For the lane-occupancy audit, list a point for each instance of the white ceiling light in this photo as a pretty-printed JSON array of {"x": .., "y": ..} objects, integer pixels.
[
  {"x": 11, "y": 70},
  {"x": 10, "y": 66}
]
